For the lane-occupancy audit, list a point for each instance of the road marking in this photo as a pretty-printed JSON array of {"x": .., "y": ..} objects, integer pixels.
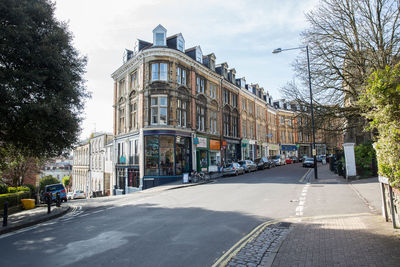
[{"x": 304, "y": 176}]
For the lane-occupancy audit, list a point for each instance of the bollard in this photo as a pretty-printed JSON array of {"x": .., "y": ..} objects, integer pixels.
[
  {"x": 58, "y": 203},
  {"x": 5, "y": 213},
  {"x": 48, "y": 203}
]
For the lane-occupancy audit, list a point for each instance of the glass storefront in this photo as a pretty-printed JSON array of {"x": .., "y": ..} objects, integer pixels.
[
  {"x": 167, "y": 155},
  {"x": 182, "y": 155}
]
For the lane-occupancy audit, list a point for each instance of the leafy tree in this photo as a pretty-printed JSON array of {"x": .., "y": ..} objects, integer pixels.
[
  {"x": 380, "y": 102},
  {"x": 66, "y": 181},
  {"x": 46, "y": 180},
  {"x": 364, "y": 154},
  {"x": 347, "y": 40},
  {"x": 15, "y": 165},
  {"x": 42, "y": 90}
]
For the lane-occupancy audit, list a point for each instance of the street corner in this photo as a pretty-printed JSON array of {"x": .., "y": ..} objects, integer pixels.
[{"x": 259, "y": 247}]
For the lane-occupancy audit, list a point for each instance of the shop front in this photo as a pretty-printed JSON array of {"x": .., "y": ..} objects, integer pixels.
[
  {"x": 245, "y": 149},
  {"x": 273, "y": 149},
  {"x": 167, "y": 155},
  {"x": 232, "y": 151},
  {"x": 214, "y": 155},
  {"x": 289, "y": 150},
  {"x": 202, "y": 153}
]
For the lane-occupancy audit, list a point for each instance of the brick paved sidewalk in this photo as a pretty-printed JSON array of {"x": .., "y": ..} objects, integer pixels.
[{"x": 352, "y": 240}]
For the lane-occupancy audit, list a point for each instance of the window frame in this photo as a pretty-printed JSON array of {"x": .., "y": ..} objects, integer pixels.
[
  {"x": 158, "y": 72},
  {"x": 158, "y": 106}
]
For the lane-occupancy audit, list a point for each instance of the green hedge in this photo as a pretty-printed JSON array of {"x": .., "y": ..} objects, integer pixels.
[
  {"x": 12, "y": 189},
  {"x": 14, "y": 199}
]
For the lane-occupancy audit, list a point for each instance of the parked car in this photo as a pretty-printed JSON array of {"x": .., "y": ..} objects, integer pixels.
[
  {"x": 303, "y": 158},
  {"x": 78, "y": 194},
  {"x": 295, "y": 159},
  {"x": 279, "y": 160},
  {"x": 232, "y": 169},
  {"x": 289, "y": 160},
  {"x": 52, "y": 190},
  {"x": 69, "y": 195},
  {"x": 248, "y": 165},
  {"x": 262, "y": 163},
  {"x": 308, "y": 162},
  {"x": 271, "y": 162}
]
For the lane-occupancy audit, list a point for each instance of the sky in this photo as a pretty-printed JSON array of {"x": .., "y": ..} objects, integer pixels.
[{"x": 242, "y": 33}]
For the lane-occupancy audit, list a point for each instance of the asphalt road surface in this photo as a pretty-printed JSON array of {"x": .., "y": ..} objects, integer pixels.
[{"x": 190, "y": 226}]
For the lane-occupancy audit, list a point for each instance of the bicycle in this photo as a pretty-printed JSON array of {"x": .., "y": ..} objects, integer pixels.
[{"x": 199, "y": 176}]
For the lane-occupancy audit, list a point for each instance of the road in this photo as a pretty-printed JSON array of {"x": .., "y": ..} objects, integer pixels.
[{"x": 191, "y": 226}]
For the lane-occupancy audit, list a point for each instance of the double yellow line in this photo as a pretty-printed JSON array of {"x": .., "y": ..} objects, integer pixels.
[{"x": 224, "y": 259}]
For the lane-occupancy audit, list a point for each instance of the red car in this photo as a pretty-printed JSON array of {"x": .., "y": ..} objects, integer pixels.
[{"x": 289, "y": 161}]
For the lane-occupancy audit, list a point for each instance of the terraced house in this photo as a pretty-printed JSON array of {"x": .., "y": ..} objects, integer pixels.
[{"x": 176, "y": 110}]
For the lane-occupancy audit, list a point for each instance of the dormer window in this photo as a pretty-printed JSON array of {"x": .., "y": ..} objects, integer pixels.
[
  {"x": 159, "y": 36},
  {"x": 199, "y": 54}
]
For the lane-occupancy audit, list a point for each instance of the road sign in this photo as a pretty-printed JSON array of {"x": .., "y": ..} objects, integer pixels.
[
  {"x": 122, "y": 159},
  {"x": 314, "y": 152}
]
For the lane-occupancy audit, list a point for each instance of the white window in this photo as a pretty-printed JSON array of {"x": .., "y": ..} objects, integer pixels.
[
  {"x": 201, "y": 114},
  {"x": 159, "y": 72},
  {"x": 200, "y": 84},
  {"x": 122, "y": 88},
  {"x": 159, "y": 105},
  {"x": 213, "y": 122},
  {"x": 160, "y": 38},
  {"x": 134, "y": 81},
  {"x": 181, "y": 45},
  {"x": 181, "y": 113},
  {"x": 212, "y": 90},
  {"x": 181, "y": 76}
]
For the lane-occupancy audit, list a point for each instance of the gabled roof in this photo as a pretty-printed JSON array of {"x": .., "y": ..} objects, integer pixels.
[
  {"x": 159, "y": 27},
  {"x": 175, "y": 35}
]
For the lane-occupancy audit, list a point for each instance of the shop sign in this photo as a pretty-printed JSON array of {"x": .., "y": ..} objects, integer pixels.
[
  {"x": 202, "y": 142},
  {"x": 289, "y": 147},
  {"x": 224, "y": 143},
  {"x": 252, "y": 142},
  {"x": 196, "y": 141},
  {"x": 245, "y": 141},
  {"x": 264, "y": 144},
  {"x": 215, "y": 145},
  {"x": 122, "y": 159},
  {"x": 273, "y": 147}
]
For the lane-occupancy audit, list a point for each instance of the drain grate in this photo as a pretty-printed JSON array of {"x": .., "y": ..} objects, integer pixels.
[{"x": 284, "y": 225}]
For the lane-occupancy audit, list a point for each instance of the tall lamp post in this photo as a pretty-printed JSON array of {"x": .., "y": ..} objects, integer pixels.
[{"x": 278, "y": 50}]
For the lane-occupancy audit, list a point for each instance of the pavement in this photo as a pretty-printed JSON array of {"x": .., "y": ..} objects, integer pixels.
[
  {"x": 31, "y": 217},
  {"x": 363, "y": 239}
]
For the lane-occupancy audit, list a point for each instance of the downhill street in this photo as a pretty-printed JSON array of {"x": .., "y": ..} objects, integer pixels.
[{"x": 190, "y": 226}]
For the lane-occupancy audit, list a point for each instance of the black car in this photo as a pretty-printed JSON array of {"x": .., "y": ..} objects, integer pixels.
[{"x": 262, "y": 163}]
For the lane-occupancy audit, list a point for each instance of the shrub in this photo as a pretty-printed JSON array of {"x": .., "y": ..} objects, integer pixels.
[
  {"x": 3, "y": 189},
  {"x": 364, "y": 154},
  {"x": 32, "y": 189},
  {"x": 23, "y": 189},
  {"x": 13, "y": 199},
  {"x": 12, "y": 189}
]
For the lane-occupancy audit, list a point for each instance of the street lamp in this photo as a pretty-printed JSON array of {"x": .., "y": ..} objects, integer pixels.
[{"x": 314, "y": 152}]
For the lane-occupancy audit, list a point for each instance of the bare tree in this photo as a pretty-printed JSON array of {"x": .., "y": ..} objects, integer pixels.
[{"x": 347, "y": 39}]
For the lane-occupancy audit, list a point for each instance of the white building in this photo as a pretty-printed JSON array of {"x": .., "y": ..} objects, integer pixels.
[
  {"x": 80, "y": 167},
  {"x": 99, "y": 182}
]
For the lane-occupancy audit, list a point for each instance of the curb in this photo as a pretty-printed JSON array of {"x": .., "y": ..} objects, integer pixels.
[
  {"x": 189, "y": 185},
  {"x": 31, "y": 223},
  {"x": 366, "y": 202},
  {"x": 227, "y": 256}
]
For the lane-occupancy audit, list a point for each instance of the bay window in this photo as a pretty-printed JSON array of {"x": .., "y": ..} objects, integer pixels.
[{"x": 159, "y": 71}]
